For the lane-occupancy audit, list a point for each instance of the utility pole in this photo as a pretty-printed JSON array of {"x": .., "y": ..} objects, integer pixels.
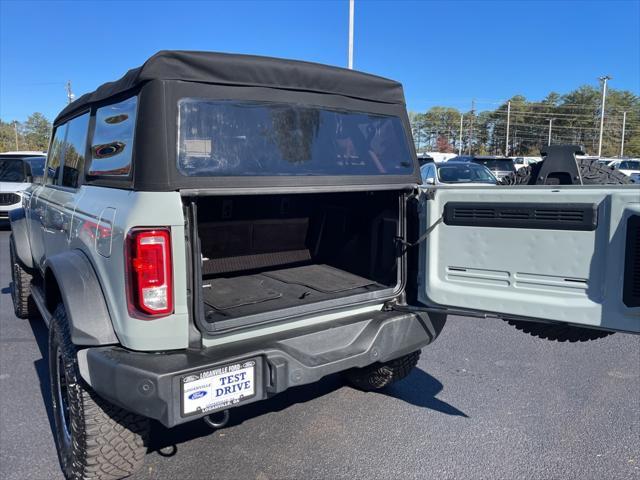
[
  {"x": 351, "y": 8},
  {"x": 506, "y": 143},
  {"x": 15, "y": 127},
  {"x": 70, "y": 95},
  {"x": 473, "y": 111},
  {"x": 624, "y": 124},
  {"x": 460, "y": 142},
  {"x": 604, "y": 96},
  {"x": 550, "y": 123}
]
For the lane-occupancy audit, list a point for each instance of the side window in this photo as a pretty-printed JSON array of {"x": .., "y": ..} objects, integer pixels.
[
  {"x": 112, "y": 142},
  {"x": 52, "y": 172},
  {"x": 75, "y": 146}
]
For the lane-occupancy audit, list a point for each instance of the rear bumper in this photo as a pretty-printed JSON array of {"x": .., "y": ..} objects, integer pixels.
[{"x": 149, "y": 383}]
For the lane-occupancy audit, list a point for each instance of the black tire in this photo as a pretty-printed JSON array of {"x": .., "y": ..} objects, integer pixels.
[
  {"x": 593, "y": 173},
  {"x": 23, "y": 304},
  {"x": 380, "y": 375},
  {"x": 95, "y": 439}
]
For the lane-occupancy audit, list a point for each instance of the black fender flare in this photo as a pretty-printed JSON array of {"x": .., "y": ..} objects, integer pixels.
[
  {"x": 18, "y": 221},
  {"x": 82, "y": 296}
]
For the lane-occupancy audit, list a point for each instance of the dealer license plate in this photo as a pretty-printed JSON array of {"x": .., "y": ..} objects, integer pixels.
[{"x": 218, "y": 388}]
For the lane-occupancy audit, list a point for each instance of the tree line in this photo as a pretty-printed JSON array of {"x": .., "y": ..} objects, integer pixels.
[
  {"x": 574, "y": 118},
  {"x": 32, "y": 134}
]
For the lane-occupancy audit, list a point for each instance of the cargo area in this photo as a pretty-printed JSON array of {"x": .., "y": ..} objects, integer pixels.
[{"x": 262, "y": 255}]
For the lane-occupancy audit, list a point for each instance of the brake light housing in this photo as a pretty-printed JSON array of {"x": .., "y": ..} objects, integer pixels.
[{"x": 149, "y": 273}]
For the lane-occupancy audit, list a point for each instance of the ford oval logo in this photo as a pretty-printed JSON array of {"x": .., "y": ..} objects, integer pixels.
[{"x": 197, "y": 395}]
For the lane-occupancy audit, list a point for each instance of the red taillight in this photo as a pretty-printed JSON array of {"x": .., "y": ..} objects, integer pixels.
[{"x": 150, "y": 286}]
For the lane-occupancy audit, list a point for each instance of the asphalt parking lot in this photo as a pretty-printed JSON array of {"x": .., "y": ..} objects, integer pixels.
[{"x": 486, "y": 402}]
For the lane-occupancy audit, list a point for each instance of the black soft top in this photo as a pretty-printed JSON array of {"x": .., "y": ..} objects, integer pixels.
[{"x": 245, "y": 70}]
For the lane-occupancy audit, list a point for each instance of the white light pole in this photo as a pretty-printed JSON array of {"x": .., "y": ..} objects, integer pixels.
[
  {"x": 604, "y": 96},
  {"x": 460, "y": 142},
  {"x": 624, "y": 124},
  {"x": 351, "y": 8},
  {"x": 70, "y": 95},
  {"x": 506, "y": 143},
  {"x": 550, "y": 123}
]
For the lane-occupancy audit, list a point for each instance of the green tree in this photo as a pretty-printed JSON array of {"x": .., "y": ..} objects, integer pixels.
[
  {"x": 7, "y": 136},
  {"x": 37, "y": 130},
  {"x": 575, "y": 118}
]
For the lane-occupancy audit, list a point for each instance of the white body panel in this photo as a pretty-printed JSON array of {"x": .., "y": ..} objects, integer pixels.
[{"x": 560, "y": 275}]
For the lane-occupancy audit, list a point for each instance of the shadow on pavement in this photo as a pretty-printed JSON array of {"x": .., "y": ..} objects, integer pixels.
[
  {"x": 41, "y": 334},
  {"x": 418, "y": 389}
]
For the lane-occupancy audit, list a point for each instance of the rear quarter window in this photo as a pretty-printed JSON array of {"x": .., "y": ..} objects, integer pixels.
[{"x": 112, "y": 143}]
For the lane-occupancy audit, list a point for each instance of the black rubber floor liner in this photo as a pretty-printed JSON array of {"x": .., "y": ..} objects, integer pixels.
[
  {"x": 322, "y": 278},
  {"x": 225, "y": 293}
]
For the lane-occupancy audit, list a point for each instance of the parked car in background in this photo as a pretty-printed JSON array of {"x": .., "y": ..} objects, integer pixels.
[
  {"x": 499, "y": 166},
  {"x": 424, "y": 158},
  {"x": 439, "y": 157},
  {"x": 36, "y": 159},
  {"x": 15, "y": 177},
  {"x": 458, "y": 173},
  {"x": 24, "y": 154},
  {"x": 520, "y": 162},
  {"x": 630, "y": 167}
]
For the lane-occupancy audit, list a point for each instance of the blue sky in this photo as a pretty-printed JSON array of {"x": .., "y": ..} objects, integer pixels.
[{"x": 445, "y": 53}]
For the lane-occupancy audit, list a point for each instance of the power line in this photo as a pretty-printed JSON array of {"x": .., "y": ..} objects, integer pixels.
[{"x": 576, "y": 115}]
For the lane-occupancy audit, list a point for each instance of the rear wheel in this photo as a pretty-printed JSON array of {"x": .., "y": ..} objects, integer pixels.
[
  {"x": 592, "y": 173},
  {"x": 380, "y": 375},
  {"x": 23, "y": 304},
  {"x": 95, "y": 439}
]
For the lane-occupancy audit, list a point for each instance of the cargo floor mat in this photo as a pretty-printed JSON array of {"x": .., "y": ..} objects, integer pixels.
[
  {"x": 225, "y": 293},
  {"x": 322, "y": 278}
]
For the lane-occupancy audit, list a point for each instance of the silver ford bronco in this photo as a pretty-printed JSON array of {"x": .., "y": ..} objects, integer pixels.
[{"x": 214, "y": 229}]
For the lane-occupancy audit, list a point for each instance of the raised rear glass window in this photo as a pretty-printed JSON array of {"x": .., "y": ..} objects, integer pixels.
[
  {"x": 218, "y": 138},
  {"x": 112, "y": 142}
]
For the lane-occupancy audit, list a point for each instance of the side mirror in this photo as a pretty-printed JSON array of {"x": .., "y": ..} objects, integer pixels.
[
  {"x": 430, "y": 181},
  {"x": 28, "y": 174}
]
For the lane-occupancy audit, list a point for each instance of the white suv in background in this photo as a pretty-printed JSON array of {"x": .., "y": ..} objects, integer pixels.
[
  {"x": 520, "y": 162},
  {"x": 15, "y": 176},
  {"x": 630, "y": 167}
]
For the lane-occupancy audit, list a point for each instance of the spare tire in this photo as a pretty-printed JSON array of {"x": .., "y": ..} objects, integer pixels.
[{"x": 593, "y": 173}]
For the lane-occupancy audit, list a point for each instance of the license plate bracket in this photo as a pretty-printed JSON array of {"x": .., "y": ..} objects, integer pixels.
[{"x": 220, "y": 387}]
